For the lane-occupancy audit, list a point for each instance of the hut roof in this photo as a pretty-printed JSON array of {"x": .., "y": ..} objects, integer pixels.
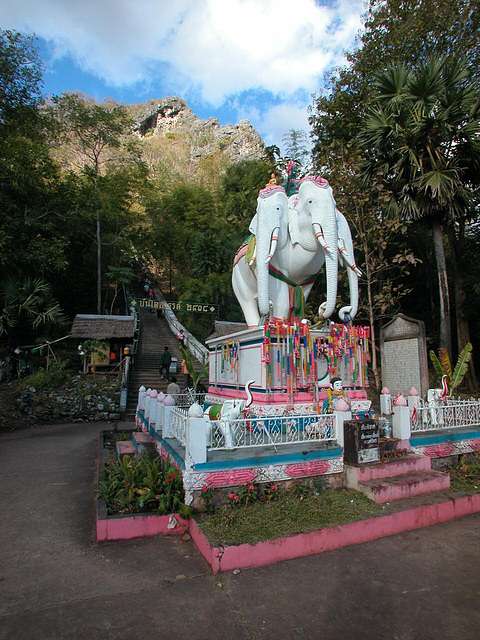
[
  {"x": 102, "y": 327},
  {"x": 223, "y": 328}
]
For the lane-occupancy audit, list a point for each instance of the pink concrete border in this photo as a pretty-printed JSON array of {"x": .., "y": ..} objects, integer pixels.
[
  {"x": 126, "y": 527},
  {"x": 247, "y": 556},
  {"x": 139, "y": 526}
]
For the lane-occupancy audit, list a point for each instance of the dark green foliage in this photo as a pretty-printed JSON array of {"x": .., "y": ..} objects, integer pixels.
[
  {"x": 466, "y": 476},
  {"x": 27, "y": 305},
  {"x": 239, "y": 191},
  {"x": 140, "y": 485}
]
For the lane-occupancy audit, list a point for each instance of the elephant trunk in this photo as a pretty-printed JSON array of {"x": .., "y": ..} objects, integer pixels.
[
  {"x": 262, "y": 252},
  {"x": 327, "y": 236}
]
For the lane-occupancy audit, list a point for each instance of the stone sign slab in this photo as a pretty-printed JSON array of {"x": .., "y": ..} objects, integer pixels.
[{"x": 404, "y": 355}]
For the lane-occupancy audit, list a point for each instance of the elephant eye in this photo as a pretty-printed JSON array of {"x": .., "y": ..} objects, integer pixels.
[
  {"x": 278, "y": 208},
  {"x": 310, "y": 202}
]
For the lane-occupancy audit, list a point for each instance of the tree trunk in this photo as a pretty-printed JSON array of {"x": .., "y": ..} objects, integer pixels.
[
  {"x": 445, "y": 328},
  {"x": 371, "y": 316},
  {"x": 457, "y": 246},
  {"x": 99, "y": 265}
]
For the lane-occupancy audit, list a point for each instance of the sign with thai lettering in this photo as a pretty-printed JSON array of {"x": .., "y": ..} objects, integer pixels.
[
  {"x": 404, "y": 355},
  {"x": 361, "y": 441},
  {"x": 189, "y": 307}
]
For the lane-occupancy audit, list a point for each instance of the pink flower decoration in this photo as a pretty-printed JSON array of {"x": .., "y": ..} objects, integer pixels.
[
  {"x": 385, "y": 390},
  {"x": 400, "y": 401},
  {"x": 413, "y": 392}
]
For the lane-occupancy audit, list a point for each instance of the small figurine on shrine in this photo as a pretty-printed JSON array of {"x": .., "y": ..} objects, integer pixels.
[{"x": 337, "y": 399}]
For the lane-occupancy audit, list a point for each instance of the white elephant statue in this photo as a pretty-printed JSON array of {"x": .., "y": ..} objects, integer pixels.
[
  {"x": 221, "y": 415},
  {"x": 294, "y": 238}
]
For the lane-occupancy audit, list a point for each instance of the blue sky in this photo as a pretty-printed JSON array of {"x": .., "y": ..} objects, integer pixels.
[{"x": 229, "y": 59}]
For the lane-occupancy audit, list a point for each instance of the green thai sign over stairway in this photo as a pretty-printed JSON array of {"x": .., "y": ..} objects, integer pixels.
[{"x": 189, "y": 307}]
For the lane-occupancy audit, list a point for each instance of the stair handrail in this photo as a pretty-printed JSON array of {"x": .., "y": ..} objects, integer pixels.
[{"x": 195, "y": 347}]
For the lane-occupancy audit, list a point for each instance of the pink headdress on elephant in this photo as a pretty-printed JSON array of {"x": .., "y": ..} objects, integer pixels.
[{"x": 318, "y": 180}]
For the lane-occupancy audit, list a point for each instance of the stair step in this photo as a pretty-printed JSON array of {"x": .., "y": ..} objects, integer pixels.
[
  {"x": 125, "y": 448},
  {"x": 404, "y": 486},
  {"x": 364, "y": 473},
  {"x": 143, "y": 442}
]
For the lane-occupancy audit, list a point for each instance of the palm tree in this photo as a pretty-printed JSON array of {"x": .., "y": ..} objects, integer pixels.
[
  {"x": 422, "y": 138},
  {"x": 29, "y": 301}
]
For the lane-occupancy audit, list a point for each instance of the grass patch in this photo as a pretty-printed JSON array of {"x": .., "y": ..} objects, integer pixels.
[
  {"x": 466, "y": 477},
  {"x": 287, "y": 515}
]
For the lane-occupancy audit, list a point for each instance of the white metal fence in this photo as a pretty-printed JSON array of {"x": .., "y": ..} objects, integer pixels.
[
  {"x": 453, "y": 414},
  {"x": 179, "y": 424},
  {"x": 252, "y": 432},
  {"x": 187, "y": 398}
]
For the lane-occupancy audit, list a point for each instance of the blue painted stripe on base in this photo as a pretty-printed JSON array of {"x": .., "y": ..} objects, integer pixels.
[
  {"x": 425, "y": 441},
  {"x": 288, "y": 458},
  {"x": 172, "y": 453}
]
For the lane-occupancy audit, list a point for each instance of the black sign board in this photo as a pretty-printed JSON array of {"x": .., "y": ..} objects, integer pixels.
[{"x": 361, "y": 441}]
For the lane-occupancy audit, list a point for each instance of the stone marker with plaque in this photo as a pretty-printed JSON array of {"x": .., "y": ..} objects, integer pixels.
[{"x": 361, "y": 443}]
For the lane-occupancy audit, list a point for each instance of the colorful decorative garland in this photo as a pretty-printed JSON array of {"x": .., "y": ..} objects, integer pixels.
[{"x": 295, "y": 354}]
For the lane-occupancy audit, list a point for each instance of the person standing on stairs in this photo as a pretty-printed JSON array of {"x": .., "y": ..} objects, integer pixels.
[
  {"x": 173, "y": 388},
  {"x": 181, "y": 338},
  {"x": 165, "y": 361}
]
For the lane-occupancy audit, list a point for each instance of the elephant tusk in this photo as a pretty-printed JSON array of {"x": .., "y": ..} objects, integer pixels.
[
  {"x": 321, "y": 238},
  {"x": 249, "y": 395}
]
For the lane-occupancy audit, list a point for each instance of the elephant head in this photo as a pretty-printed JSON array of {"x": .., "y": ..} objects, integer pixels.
[
  {"x": 270, "y": 228},
  {"x": 317, "y": 226}
]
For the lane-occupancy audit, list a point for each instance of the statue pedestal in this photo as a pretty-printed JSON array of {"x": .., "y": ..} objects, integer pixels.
[{"x": 290, "y": 364}]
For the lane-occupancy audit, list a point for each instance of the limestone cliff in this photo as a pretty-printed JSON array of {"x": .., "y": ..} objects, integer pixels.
[{"x": 173, "y": 120}]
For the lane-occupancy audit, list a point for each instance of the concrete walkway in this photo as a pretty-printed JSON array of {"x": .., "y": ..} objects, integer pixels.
[{"x": 56, "y": 582}]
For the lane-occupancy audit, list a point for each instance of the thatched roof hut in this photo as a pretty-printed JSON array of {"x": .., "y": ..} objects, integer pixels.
[
  {"x": 223, "y": 328},
  {"x": 96, "y": 327}
]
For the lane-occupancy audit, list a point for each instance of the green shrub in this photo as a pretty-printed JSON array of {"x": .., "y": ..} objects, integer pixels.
[
  {"x": 44, "y": 380},
  {"x": 145, "y": 484}
]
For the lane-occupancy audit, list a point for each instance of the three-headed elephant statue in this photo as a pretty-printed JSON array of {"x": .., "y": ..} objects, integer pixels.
[{"x": 294, "y": 238}]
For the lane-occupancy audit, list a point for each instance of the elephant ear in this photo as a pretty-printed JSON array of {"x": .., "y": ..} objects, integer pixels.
[
  {"x": 253, "y": 225},
  {"x": 293, "y": 220}
]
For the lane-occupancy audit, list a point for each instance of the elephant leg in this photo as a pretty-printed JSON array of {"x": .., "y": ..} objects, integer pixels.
[
  {"x": 226, "y": 429},
  {"x": 280, "y": 296},
  {"x": 245, "y": 288}
]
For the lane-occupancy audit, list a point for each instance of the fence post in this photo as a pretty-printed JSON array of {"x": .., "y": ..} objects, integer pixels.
[
  {"x": 146, "y": 411},
  {"x": 167, "y": 422},
  {"x": 340, "y": 417},
  {"x": 385, "y": 402},
  {"x": 141, "y": 398},
  {"x": 196, "y": 440},
  {"x": 140, "y": 405},
  {"x": 158, "y": 414},
  {"x": 401, "y": 423},
  {"x": 152, "y": 417}
]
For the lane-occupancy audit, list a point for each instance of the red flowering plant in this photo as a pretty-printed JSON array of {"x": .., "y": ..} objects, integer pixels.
[
  {"x": 300, "y": 489},
  {"x": 233, "y": 499},
  {"x": 247, "y": 493},
  {"x": 207, "y": 497},
  {"x": 271, "y": 491}
]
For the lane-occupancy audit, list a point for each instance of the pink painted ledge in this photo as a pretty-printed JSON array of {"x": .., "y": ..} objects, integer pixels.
[
  {"x": 247, "y": 556},
  {"x": 139, "y": 526}
]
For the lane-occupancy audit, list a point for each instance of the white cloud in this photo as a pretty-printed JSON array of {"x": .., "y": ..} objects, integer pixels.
[
  {"x": 214, "y": 50},
  {"x": 219, "y": 47}
]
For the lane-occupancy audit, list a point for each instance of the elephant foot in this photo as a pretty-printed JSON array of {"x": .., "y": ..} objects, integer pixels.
[{"x": 345, "y": 314}]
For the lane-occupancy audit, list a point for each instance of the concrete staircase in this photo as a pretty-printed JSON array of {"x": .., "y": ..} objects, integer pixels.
[
  {"x": 155, "y": 334},
  {"x": 389, "y": 481}
]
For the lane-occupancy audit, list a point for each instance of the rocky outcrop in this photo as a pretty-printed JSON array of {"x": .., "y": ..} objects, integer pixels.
[{"x": 171, "y": 117}]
